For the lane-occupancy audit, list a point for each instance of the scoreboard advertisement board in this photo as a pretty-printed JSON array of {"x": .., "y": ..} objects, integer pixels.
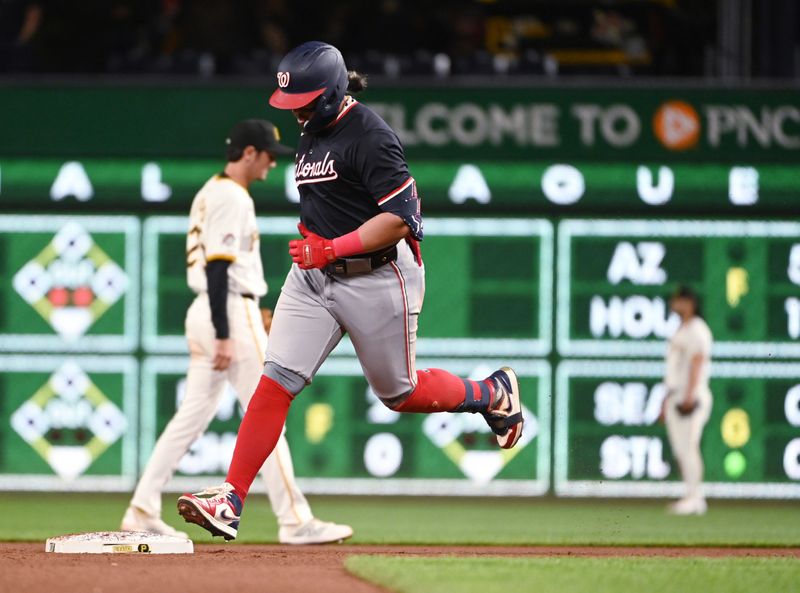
[
  {"x": 557, "y": 224},
  {"x": 615, "y": 276},
  {"x": 608, "y": 441}
]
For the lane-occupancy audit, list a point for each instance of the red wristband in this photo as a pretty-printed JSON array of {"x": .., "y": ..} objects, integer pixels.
[{"x": 348, "y": 244}]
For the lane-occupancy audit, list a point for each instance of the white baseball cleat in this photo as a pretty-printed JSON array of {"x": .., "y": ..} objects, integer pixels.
[
  {"x": 314, "y": 532},
  {"x": 137, "y": 520},
  {"x": 688, "y": 506}
]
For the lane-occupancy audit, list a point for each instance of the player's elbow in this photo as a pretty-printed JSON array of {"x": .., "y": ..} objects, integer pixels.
[{"x": 400, "y": 228}]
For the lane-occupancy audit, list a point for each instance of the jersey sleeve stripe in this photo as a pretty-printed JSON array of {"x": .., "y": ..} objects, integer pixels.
[
  {"x": 221, "y": 256},
  {"x": 396, "y": 192}
]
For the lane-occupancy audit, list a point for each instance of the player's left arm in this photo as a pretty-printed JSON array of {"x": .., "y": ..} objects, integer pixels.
[{"x": 382, "y": 230}]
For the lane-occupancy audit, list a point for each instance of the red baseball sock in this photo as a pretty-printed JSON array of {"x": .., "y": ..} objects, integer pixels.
[
  {"x": 258, "y": 434},
  {"x": 440, "y": 391}
]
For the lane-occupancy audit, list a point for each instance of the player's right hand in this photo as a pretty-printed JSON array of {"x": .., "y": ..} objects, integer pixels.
[
  {"x": 223, "y": 354},
  {"x": 687, "y": 408}
]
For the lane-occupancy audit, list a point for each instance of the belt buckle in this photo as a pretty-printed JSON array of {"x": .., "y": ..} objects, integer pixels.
[{"x": 359, "y": 265}]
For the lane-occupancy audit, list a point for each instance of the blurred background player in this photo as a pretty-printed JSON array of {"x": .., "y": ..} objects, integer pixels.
[
  {"x": 688, "y": 403},
  {"x": 227, "y": 338}
]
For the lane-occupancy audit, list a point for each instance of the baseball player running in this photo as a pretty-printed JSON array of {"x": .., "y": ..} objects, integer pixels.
[
  {"x": 227, "y": 339},
  {"x": 688, "y": 402},
  {"x": 357, "y": 269}
]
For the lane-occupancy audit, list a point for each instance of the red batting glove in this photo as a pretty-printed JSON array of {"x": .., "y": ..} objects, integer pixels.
[{"x": 312, "y": 251}]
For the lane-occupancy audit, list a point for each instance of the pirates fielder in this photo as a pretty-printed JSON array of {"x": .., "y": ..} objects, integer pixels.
[
  {"x": 227, "y": 339},
  {"x": 688, "y": 403}
]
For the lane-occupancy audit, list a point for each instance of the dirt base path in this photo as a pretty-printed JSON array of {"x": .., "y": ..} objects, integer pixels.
[{"x": 263, "y": 568}]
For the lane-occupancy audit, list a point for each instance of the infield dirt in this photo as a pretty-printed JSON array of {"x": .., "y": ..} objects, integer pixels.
[{"x": 27, "y": 568}]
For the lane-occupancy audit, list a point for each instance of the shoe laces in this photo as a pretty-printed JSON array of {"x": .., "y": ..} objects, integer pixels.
[
  {"x": 220, "y": 491},
  {"x": 312, "y": 527},
  {"x": 501, "y": 406}
]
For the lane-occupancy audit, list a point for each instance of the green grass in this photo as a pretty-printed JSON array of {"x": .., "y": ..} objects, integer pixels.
[
  {"x": 578, "y": 575},
  {"x": 416, "y": 520}
]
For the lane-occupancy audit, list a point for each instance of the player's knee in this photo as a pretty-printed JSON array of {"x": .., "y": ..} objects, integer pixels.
[
  {"x": 391, "y": 398},
  {"x": 289, "y": 380}
]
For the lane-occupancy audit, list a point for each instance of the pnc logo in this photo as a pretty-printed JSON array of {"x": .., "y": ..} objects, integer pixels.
[
  {"x": 677, "y": 125},
  {"x": 283, "y": 79}
]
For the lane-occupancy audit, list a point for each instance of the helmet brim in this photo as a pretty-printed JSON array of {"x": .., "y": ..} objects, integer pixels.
[{"x": 283, "y": 100}]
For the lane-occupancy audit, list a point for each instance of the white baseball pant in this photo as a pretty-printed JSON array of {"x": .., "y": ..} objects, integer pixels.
[
  {"x": 684, "y": 434},
  {"x": 204, "y": 389}
]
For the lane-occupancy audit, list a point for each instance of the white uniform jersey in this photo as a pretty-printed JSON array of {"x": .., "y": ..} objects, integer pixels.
[
  {"x": 222, "y": 225},
  {"x": 693, "y": 337}
]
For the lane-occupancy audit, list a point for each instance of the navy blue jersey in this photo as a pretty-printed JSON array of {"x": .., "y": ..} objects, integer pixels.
[{"x": 353, "y": 171}]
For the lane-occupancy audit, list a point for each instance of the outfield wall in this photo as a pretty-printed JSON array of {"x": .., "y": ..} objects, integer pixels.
[{"x": 605, "y": 199}]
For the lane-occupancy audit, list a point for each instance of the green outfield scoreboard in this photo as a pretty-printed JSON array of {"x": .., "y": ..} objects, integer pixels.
[
  {"x": 608, "y": 441},
  {"x": 77, "y": 289},
  {"x": 557, "y": 224},
  {"x": 477, "y": 300},
  {"x": 345, "y": 441},
  {"x": 92, "y": 311}
]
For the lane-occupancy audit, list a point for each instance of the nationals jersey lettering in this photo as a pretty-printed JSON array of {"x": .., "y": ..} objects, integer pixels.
[
  {"x": 353, "y": 171},
  {"x": 222, "y": 225},
  {"x": 314, "y": 173}
]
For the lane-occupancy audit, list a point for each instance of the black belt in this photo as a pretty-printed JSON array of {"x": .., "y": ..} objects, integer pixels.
[
  {"x": 353, "y": 266},
  {"x": 247, "y": 295}
]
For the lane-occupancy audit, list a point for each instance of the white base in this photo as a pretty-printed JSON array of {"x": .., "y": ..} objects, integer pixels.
[{"x": 118, "y": 542}]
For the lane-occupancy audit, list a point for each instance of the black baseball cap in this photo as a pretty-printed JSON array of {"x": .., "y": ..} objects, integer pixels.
[
  {"x": 258, "y": 133},
  {"x": 683, "y": 291}
]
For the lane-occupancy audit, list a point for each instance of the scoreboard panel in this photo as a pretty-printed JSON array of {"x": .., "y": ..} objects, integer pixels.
[
  {"x": 643, "y": 188},
  {"x": 476, "y": 300},
  {"x": 71, "y": 284},
  {"x": 345, "y": 441},
  {"x": 615, "y": 278},
  {"x": 607, "y": 440},
  {"x": 71, "y": 289},
  {"x": 69, "y": 422}
]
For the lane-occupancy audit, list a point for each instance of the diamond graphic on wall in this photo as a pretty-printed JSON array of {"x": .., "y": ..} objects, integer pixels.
[
  {"x": 72, "y": 282},
  {"x": 69, "y": 422},
  {"x": 469, "y": 443}
]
